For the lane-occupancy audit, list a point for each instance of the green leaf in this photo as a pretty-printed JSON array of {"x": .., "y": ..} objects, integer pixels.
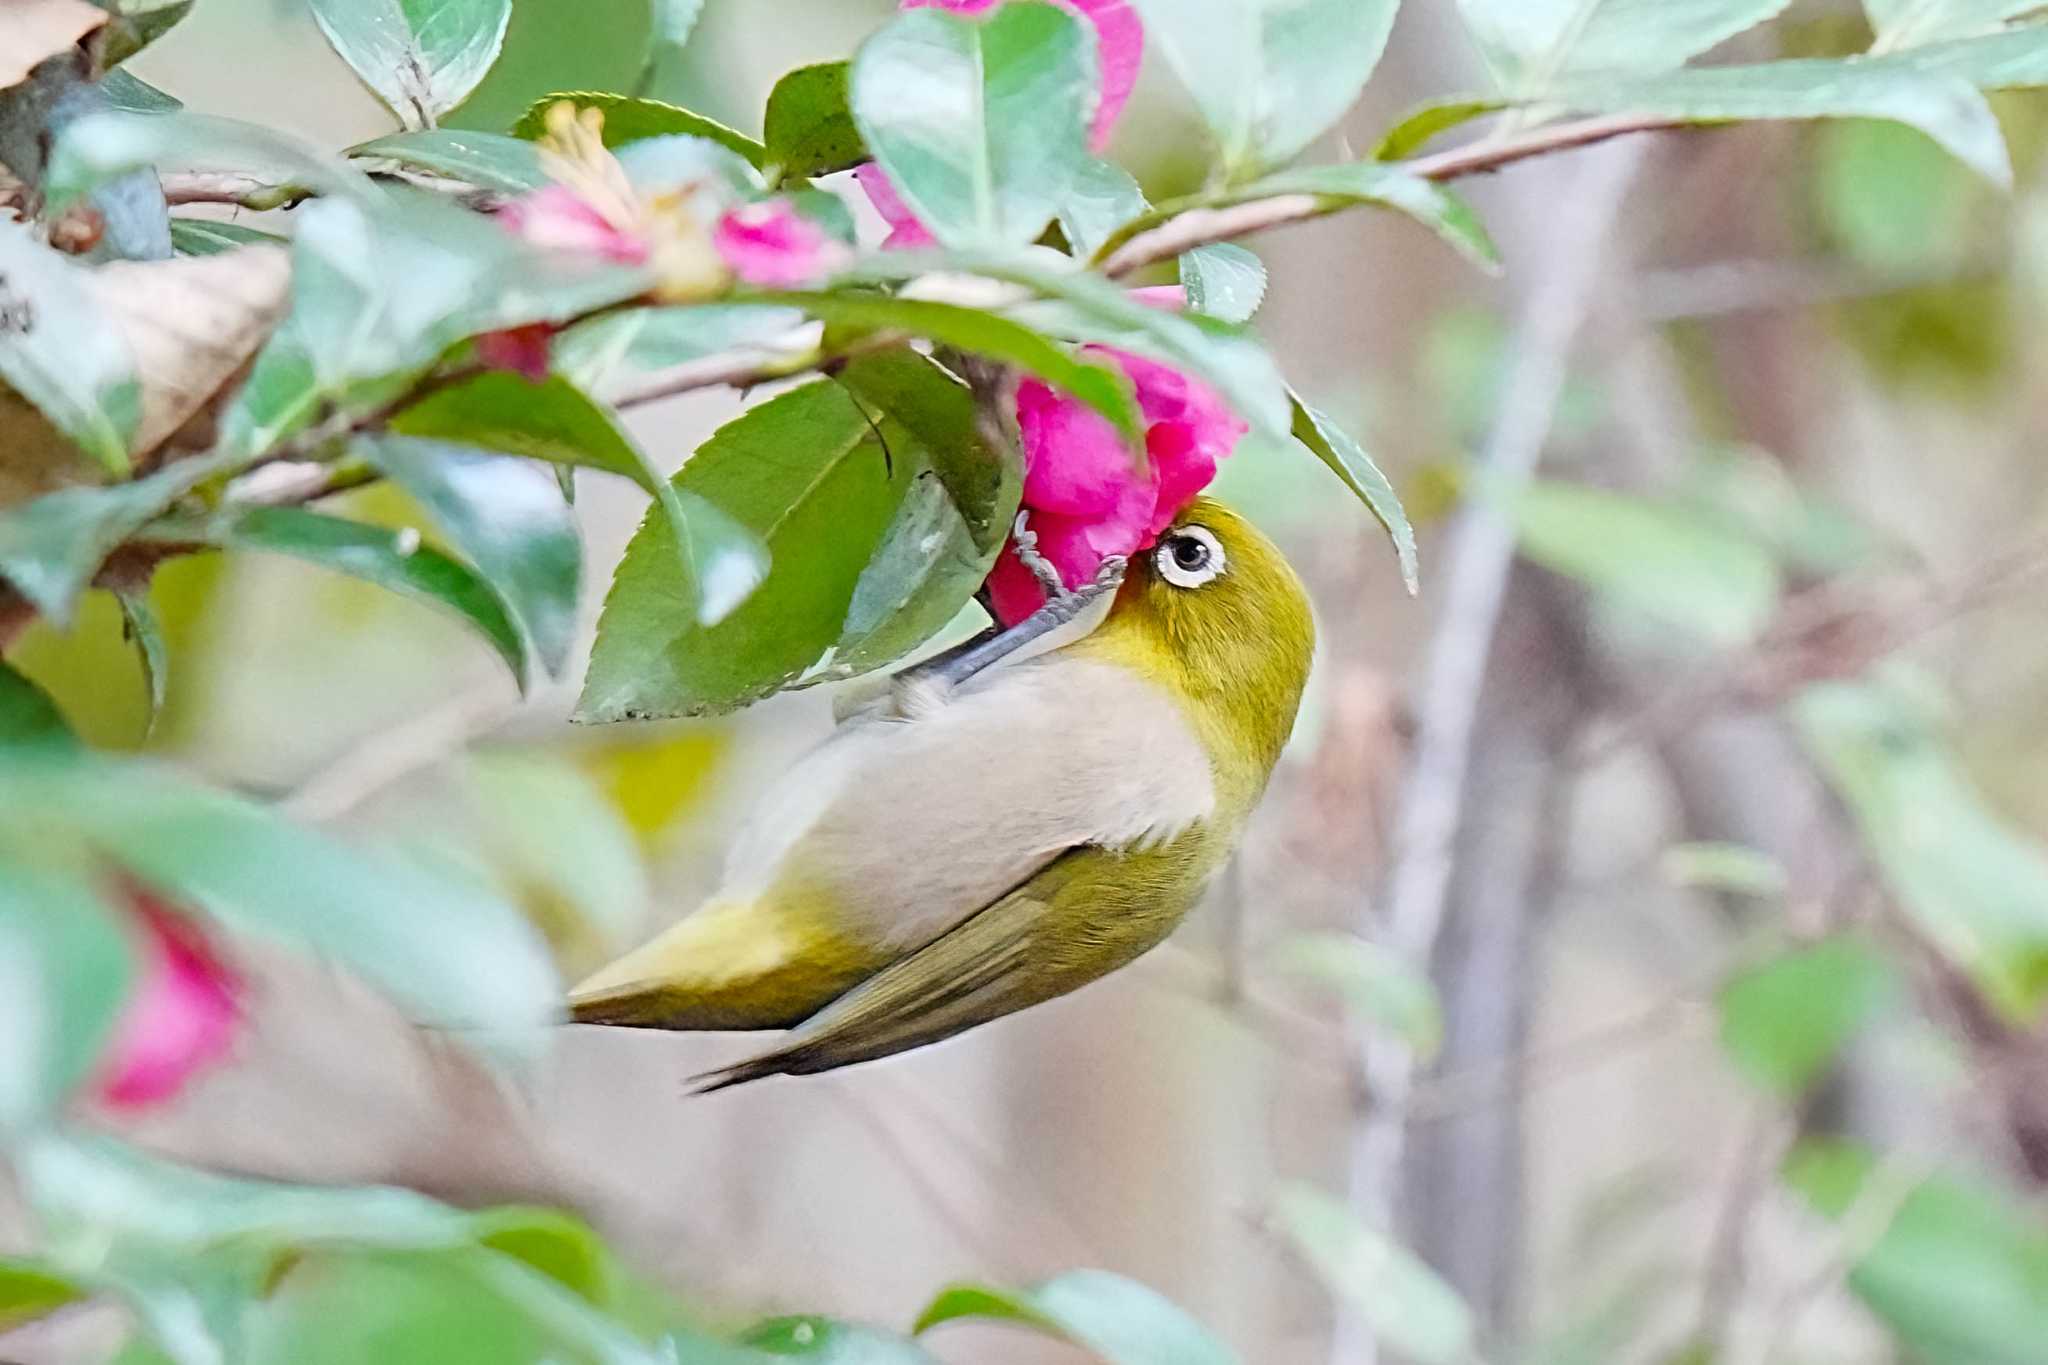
[
  {"x": 627, "y": 119},
  {"x": 809, "y": 127},
  {"x": 674, "y": 21},
  {"x": 1535, "y": 45},
  {"x": 821, "y": 481},
  {"x": 638, "y": 340},
  {"x": 421, "y": 57},
  {"x": 1371, "y": 980},
  {"x": 99, "y": 147},
  {"x": 1398, "y": 1297},
  {"x": 721, "y": 562},
  {"x": 1783, "y": 1021},
  {"x": 1347, "y": 459},
  {"x": 1946, "y": 107},
  {"x": 135, "y": 24},
  {"x": 205, "y": 236},
  {"x": 139, "y": 625},
  {"x": 393, "y": 560},
  {"x": 1959, "y": 1272},
  {"x": 507, "y": 518},
  {"x": 1891, "y": 199},
  {"x": 1224, "y": 281},
  {"x": 29, "y": 1290},
  {"x": 1912, "y": 23},
  {"x": 1269, "y": 75},
  {"x": 1120, "y": 1320},
  {"x": 491, "y": 161},
  {"x": 560, "y": 1247},
  {"x": 1418, "y": 127},
  {"x": 51, "y": 546},
  {"x": 1974, "y": 884},
  {"x": 2015, "y": 58},
  {"x": 970, "y": 329},
  {"x": 125, "y": 91},
  {"x": 981, "y": 124},
  {"x": 826, "y": 1342},
  {"x": 1651, "y": 558},
  {"x": 1103, "y": 198},
  {"x": 61, "y": 352},
  {"x": 28, "y": 716},
  {"x": 1733, "y": 869},
  {"x": 68, "y": 968}
]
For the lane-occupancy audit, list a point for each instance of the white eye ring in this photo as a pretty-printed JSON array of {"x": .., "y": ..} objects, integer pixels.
[{"x": 1189, "y": 557}]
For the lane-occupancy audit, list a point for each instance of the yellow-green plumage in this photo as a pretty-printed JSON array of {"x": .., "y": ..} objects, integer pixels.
[{"x": 1001, "y": 846}]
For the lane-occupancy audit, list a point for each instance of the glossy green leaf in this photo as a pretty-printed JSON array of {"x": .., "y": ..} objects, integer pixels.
[
  {"x": 490, "y": 161},
  {"x": 987, "y": 334},
  {"x": 1345, "y": 458},
  {"x": 1102, "y": 199},
  {"x": 1913, "y": 23},
  {"x": 1959, "y": 1271},
  {"x": 507, "y": 518},
  {"x": 1975, "y": 885},
  {"x": 62, "y": 353},
  {"x": 141, "y": 628},
  {"x": 554, "y": 421},
  {"x": 1223, "y": 281},
  {"x": 99, "y": 147},
  {"x": 1783, "y": 1021},
  {"x": 601, "y": 350},
  {"x": 1417, "y": 128},
  {"x": 1534, "y": 45},
  {"x": 393, "y": 560},
  {"x": 29, "y": 1290},
  {"x": 1120, "y": 1320},
  {"x": 628, "y": 119},
  {"x": 421, "y": 57},
  {"x": 1651, "y": 558},
  {"x": 821, "y": 480},
  {"x": 51, "y": 546},
  {"x": 28, "y": 716},
  {"x": 826, "y": 1342},
  {"x": 808, "y": 126},
  {"x": 1269, "y": 75},
  {"x": 1732, "y": 869},
  {"x": 1946, "y": 107},
  {"x": 981, "y": 124},
  {"x": 67, "y": 968},
  {"x": 1403, "y": 1302},
  {"x": 205, "y": 236},
  {"x": 1371, "y": 980}
]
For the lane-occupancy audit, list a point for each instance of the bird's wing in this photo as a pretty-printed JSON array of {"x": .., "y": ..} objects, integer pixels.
[
  {"x": 907, "y": 827},
  {"x": 965, "y": 977}
]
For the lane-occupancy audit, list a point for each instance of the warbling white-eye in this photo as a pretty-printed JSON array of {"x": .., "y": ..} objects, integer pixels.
[{"x": 1005, "y": 832}]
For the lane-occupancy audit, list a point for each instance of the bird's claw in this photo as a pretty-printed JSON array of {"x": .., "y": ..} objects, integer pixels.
[{"x": 1027, "y": 554}]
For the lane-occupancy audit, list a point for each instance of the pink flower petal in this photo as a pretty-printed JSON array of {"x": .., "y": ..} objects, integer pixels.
[
  {"x": 1168, "y": 298},
  {"x": 181, "y": 1018},
  {"x": 1120, "y": 50},
  {"x": 1075, "y": 462},
  {"x": 522, "y": 350},
  {"x": 904, "y": 229},
  {"x": 554, "y": 216},
  {"x": 771, "y": 245}
]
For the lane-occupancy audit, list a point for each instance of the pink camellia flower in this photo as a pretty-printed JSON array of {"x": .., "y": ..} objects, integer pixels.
[
  {"x": 1084, "y": 499},
  {"x": 559, "y": 217},
  {"x": 180, "y": 1019},
  {"x": 771, "y": 245},
  {"x": 1120, "y": 50}
]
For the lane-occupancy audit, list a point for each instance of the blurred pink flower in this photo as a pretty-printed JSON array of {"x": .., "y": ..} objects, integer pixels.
[
  {"x": 905, "y": 232},
  {"x": 557, "y": 216},
  {"x": 181, "y": 1018},
  {"x": 1168, "y": 298},
  {"x": 1084, "y": 499},
  {"x": 1120, "y": 49},
  {"x": 773, "y": 246},
  {"x": 522, "y": 350}
]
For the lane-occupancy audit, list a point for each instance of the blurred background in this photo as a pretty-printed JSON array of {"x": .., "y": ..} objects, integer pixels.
[{"x": 1784, "y": 385}]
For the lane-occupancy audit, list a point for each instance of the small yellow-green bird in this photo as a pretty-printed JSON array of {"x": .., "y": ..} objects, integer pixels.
[{"x": 1000, "y": 834}]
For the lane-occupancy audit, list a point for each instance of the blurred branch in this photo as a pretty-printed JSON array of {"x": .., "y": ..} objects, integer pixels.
[
  {"x": 1480, "y": 554},
  {"x": 1721, "y": 288},
  {"x": 378, "y": 761}
]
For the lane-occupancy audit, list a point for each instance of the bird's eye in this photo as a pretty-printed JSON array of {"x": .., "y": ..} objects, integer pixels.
[{"x": 1189, "y": 557}]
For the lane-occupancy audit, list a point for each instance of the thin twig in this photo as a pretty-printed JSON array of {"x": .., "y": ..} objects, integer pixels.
[{"x": 376, "y": 762}]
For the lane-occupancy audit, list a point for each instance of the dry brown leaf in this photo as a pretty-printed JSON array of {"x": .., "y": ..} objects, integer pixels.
[
  {"x": 191, "y": 324},
  {"x": 34, "y": 30}
]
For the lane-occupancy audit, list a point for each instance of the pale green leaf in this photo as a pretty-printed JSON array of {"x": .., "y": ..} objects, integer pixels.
[
  {"x": 1399, "y": 1298},
  {"x": 1223, "y": 281},
  {"x": 1784, "y": 1021},
  {"x": 1911, "y": 23},
  {"x": 1371, "y": 980},
  {"x": 1119, "y": 1320},
  {"x": 1535, "y": 45},
  {"x": 60, "y": 351},
  {"x": 1345, "y": 458},
  {"x": 490, "y": 161},
  {"x": 421, "y": 57},
  {"x": 65, "y": 971}
]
